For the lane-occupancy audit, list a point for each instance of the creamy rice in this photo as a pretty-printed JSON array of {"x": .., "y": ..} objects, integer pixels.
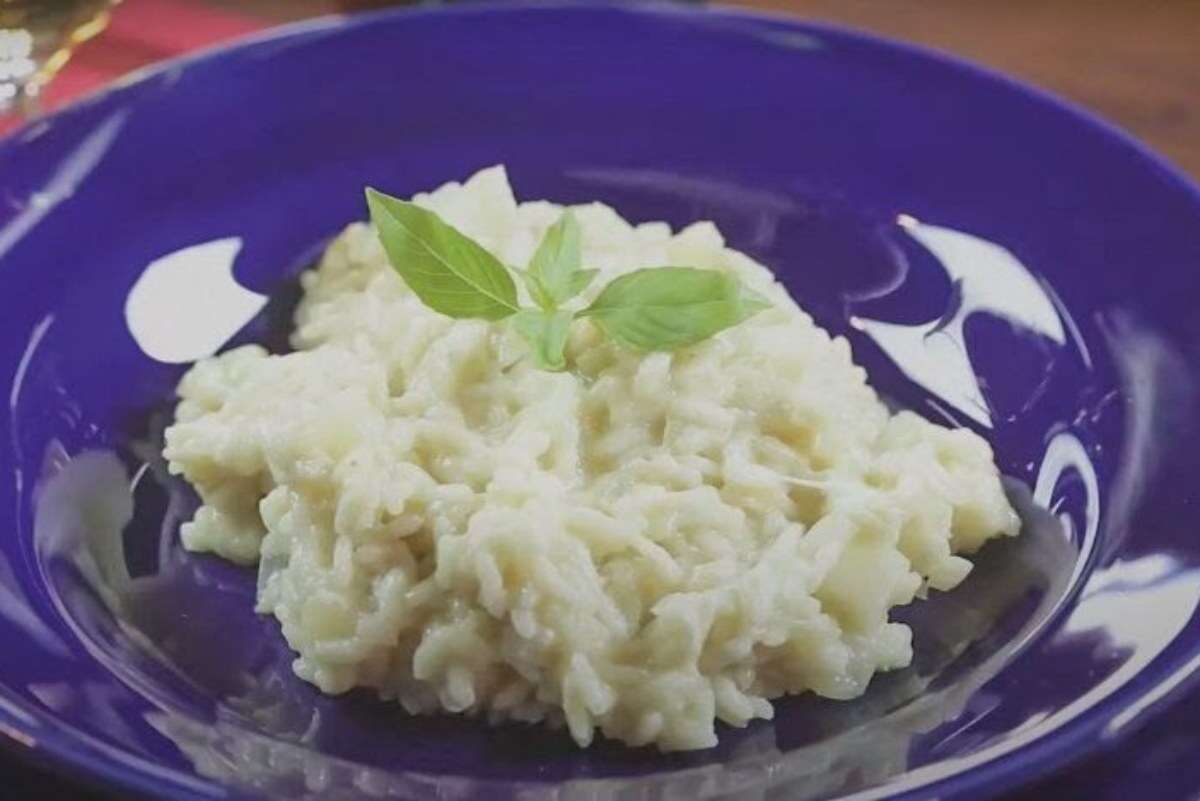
[{"x": 642, "y": 544}]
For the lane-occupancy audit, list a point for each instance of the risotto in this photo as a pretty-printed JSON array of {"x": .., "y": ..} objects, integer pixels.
[{"x": 642, "y": 544}]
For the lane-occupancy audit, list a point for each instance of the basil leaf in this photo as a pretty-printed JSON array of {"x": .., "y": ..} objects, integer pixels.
[
  {"x": 665, "y": 308},
  {"x": 546, "y": 333},
  {"x": 448, "y": 271},
  {"x": 556, "y": 262},
  {"x": 537, "y": 292},
  {"x": 651, "y": 309},
  {"x": 580, "y": 281}
]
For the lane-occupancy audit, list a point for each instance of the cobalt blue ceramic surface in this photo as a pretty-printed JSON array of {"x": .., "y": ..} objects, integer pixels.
[{"x": 996, "y": 260}]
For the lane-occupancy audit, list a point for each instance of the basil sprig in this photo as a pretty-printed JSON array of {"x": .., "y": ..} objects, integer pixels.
[{"x": 659, "y": 308}]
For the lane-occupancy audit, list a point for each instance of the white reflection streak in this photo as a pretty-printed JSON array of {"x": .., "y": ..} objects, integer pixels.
[
  {"x": 7, "y": 707},
  {"x": 187, "y": 304},
  {"x": 1141, "y": 590},
  {"x": 989, "y": 279},
  {"x": 1076, "y": 335},
  {"x": 14, "y": 394},
  {"x": 17, "y": 736},
  {"x": 17, "y": 611},
  {"x": 1142, "y": 604},
  {"x": 63, "y": 183},
  {"x": 1152, "y": 698},
  {"x": 1159, "y": 388},
  {"x": 1062, "y": 452},
  {"x": 14, "y": 607},
  {"x": 1145, "y": 620}
]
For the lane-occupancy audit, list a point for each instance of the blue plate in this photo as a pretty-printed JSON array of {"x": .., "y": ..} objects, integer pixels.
[{"x": 996, "y": 259}]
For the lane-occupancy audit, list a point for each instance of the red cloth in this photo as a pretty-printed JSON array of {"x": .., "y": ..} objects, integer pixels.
[{"x": 142, "y": 32}]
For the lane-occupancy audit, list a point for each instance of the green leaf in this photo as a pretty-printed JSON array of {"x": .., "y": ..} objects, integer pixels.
[
  {"x": 652, "y": 309},
  {"x": 537, "y": 293},
  {"x": 546, "y": 333},
  {"x": 556, "y": 262},
  {"x": 449, "y": 272},
  {"x": 665, "y": 308},
  {"x": 580, "y": 281}
]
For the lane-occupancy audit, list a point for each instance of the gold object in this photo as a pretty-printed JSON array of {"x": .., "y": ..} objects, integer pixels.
[{"x": 37, "y": 38}]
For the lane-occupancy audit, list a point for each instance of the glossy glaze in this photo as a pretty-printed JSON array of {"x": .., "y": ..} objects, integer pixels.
[{"x": 874, "y": 179}]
